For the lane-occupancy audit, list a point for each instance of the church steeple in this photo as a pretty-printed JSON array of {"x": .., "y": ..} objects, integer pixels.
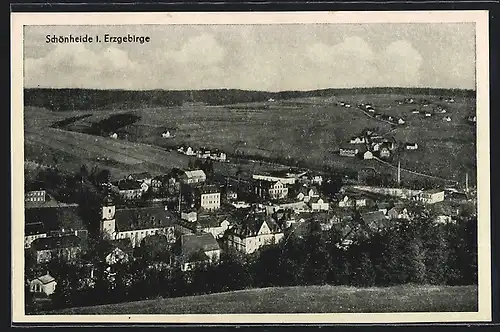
[{"x": 108, "y": 223}]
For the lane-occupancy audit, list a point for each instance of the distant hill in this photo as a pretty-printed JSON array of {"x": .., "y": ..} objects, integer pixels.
[
  {"x": 88, "y": 99},
  {"x": 303, "y": 299}
]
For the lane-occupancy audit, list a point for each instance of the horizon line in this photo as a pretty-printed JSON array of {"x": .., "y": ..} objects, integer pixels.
[{"x": 249, "y": 90}]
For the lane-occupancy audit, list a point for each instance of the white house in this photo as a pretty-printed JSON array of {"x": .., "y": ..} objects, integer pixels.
[
  {"x": 253, "y": 234},
  {"x": 357, "y": 140},
  {"x": 447, "y": 119},
  {"x": 240, "y": 205},
  {"x": 208, "y": 197},
  {"x": 166, "y": 134},
  {"x": 431, "y": 196},
  {"x": 368, "y": 155},
  {"x": 318, "y": 204},
  {"x": 190, "y": 177},
  {"x": 411, "y": 146},
  {"x": 113, "y": 135},
  {"x": 45, "y": 284}
]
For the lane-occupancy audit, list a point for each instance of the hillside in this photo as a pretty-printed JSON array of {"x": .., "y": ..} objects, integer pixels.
[
  {"x": 303, "y": 299},
  {"x": 88, "y": 99}
]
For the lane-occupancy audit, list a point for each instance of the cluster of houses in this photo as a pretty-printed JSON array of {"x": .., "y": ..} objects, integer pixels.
[
  {"x": 209, "y": 218},
  {"x": 203, "y": 153},
  {"x": 368, "y": 145},
  {"x": 369, "y": 110}
]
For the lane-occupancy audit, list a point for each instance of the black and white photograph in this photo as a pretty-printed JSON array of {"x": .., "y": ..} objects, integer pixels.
[{"x": 251, "y": 167}]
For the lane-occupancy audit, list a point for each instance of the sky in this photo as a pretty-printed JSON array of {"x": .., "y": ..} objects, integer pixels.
[{"x": 255, "y": 57}]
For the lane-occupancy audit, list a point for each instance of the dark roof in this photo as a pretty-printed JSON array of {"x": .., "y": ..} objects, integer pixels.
[
  {"x": 374, "y": 220},
  {"x": 141, "y": 176},
  {"x": 251, "y": 225},
  {"x": 41, "y": 220},
  {"x": 144, "y": 218},
  {"x": 212, "y": 219},
  {"x": 129, "y": 185},
  {"x": 374, "y": 216},
  {"x": 56, "y": 242},
  {"x": 192, "y": 243},
  {"x": 207, "y": 189},
  {"x": 123, "y": 244}
]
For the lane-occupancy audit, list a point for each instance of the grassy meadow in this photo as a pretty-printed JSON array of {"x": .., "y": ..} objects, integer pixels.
[
  {"x": 310, "y": 130},
  {"x": 303, "y": 299}
]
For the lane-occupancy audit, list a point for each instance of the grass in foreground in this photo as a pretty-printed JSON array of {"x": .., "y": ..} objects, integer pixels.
[{"x": 304, "y": 299}]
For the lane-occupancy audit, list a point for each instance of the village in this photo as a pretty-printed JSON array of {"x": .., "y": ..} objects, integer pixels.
[{"x": 195, "y": 215}]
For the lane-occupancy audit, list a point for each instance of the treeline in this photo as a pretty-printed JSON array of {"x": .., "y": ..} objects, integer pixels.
[
  {"x": 111, "y": 124},
  {"x": 88, "y": 99},
  {"x": 419, "y": 252}
]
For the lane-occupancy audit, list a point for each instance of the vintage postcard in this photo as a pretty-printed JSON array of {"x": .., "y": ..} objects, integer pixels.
[{"x": 274, "y": 167}]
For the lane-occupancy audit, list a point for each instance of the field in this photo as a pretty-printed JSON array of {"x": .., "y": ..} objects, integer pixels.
[
  {"x": 304, "y": 299},
  {"x": 309, "y": 130}
]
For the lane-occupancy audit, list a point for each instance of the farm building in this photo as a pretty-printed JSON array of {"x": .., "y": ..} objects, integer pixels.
[
  {"x": 411, "y": 146},
  {"x": 368, "y": 155},
  {"x": 401, "y": 121},
  {"x": 357, "y": 140},
  {"x": 384, "y": 151},
  {"x": 113, "y": 135},
  {"x": 471, "y": 119},
  {"x": 351, "y": 150},
  {"x": 166, "y": 134},
  {"x": 447, "y": 119},
  {"x": 428, "y": 115},
  {"x": 415, "y": 111}
]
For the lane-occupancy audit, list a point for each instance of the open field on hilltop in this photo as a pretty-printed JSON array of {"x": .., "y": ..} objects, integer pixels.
[
  {"x": 309, "y": 130},
  {"x": 69, "y": 150},
  {"x": 304, "y": 299}
]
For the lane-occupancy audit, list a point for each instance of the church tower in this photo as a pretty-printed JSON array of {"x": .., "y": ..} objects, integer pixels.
[{"x": 108, "y": 223}]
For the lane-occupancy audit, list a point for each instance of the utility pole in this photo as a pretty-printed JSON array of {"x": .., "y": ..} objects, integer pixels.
[
  {"x": 399, "y": 172},
  {"x": 467, "y": 183}
]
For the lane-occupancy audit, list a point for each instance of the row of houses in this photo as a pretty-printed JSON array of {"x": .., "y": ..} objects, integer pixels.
[{"x": 204, "y": 153}]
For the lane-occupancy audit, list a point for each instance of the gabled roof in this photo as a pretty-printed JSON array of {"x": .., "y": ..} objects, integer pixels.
[
  {"x": 195, "y": 174},
  {"x": 207, "y": 189},
  {"x": 56, "y": 242},
  {"x": 45, "y": 279},
  {"x": 141, "y": 176},
  {"x": 212, "y": 220},
  {"x": 144, "y": 218},
  {"x": 192, "y": 243},
  {"x": 374, "y": 216},
  {"x": 129, "y": 185}
]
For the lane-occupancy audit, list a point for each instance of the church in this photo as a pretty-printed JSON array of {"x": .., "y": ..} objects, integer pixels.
[{"x": 136, "y": 223}]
